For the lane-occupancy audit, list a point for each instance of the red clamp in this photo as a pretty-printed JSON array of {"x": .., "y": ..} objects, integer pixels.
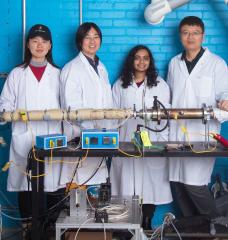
[{"x": 220, "y": 139}]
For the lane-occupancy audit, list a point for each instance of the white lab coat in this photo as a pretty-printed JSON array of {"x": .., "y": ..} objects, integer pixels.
[
  {"x": 146, "y": 177},
  {"x": 207, "y": 83},
  {"x": 82, "y": 87},
  {"x": 23, "y": 91}
]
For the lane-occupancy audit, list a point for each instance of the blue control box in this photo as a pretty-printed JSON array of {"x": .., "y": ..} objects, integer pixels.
[
  {"x": 51, "y": 141},
  {"x": 100, "y": 139}
]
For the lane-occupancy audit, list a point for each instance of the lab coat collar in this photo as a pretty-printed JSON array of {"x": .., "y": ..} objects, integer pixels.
[
  {"x": 135, "y": 84},
  {"x": 91, "y": 70},
  {"x": 199, "y": 64},
  {"x": 206, "y": 52},
  {"x": 46, "y": 72}
]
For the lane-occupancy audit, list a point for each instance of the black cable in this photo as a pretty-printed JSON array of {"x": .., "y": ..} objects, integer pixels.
[
  {"x": 94, "y": 172},
  {"x": 75, "y": 171},
  {"x": 57, "y": 205},
  {"x": 157, "y": 130},
  {"x": 46, "y": 213},
  {"x": 28, "y": 167}
]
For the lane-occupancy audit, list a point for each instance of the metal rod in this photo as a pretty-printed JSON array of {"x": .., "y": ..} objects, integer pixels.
[
  {"x": 23, "y": 28},
  {"x": 180, "y": 113},
  {"x": 80, "y": 12}
]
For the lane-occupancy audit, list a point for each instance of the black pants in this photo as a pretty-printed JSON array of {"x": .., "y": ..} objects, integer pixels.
[
  {"x": 148, "y": 213},
  {"x": 25, "y": 204},
  {"x": 194, "y": 200}
]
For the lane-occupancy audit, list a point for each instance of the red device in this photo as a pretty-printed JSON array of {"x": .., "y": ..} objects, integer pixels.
[{"x": 220, "y": 139}]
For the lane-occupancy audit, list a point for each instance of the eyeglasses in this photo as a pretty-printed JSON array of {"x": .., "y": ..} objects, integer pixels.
[{"x": 192, "y": 34}]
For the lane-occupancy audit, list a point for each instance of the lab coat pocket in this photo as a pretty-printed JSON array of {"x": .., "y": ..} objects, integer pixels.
[
  {"x": 204, "y": 86},
  {"x": 22, "y": 143}
]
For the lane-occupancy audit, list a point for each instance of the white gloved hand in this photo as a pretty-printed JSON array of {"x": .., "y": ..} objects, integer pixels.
[{"x": 220, "y": 115}]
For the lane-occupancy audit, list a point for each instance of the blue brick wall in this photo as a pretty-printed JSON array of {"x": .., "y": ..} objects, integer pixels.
[{"x": 123, "y": 26}]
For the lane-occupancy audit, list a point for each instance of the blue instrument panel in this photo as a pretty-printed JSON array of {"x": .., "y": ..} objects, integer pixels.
[
  {"x": 100, "y": 139},
  {"x": 51, "y": 141}
]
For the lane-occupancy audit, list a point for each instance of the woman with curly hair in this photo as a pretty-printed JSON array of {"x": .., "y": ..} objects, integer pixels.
[{"x": 147, "y": 177}]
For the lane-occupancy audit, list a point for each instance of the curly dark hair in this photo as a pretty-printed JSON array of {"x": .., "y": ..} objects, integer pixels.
[{"x": 128, "y": 70}]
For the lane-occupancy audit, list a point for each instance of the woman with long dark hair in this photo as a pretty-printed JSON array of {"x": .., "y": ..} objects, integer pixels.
[{"x": 147, "y": 177}]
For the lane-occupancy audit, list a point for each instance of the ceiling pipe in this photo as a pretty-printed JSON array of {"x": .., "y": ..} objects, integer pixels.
[{"x": 155, "y": 12}]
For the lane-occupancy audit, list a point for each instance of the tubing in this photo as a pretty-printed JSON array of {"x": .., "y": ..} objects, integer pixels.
[{"x": 98, "y": 114}]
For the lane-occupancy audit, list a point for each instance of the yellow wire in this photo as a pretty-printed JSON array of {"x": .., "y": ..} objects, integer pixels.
[
  {"x": 186, "y": 133},
  {"x": 131, "y": 155},
  {"x": 34, "y": 176},
  {"x": 204, "y": 151},
  {"x": 25, "y": 173},
  {"x": 58, "y": 161}
]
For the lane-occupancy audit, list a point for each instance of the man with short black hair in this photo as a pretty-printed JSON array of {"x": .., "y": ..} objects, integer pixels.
[{"x": 195, "y": 76}]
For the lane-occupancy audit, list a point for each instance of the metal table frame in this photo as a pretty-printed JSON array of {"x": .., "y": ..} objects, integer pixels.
[
  {"x": 65, "y": 222},
  {"x": 132, "y": 222},
  {"x": 38, "y": 167}
]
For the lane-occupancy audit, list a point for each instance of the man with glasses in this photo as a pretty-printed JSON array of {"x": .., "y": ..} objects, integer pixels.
[{"x": 195, "y": 76}]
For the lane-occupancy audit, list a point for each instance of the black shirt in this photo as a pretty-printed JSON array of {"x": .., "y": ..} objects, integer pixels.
[
  {"x": 94, "y": 63},
  {"x": 192, "y": 64}
]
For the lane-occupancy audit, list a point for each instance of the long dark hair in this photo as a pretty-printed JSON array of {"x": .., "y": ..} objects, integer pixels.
[
  {"x": 28, "y": 55},
  {"x": 128, "y": 70}
]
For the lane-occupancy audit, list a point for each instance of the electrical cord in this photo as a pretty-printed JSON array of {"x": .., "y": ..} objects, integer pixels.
[
  {"x": 116, "y": 212},
  {"x": 102, "y": 220},
  {"x": 167, "y": 120},
  {"x": 186, "y": 133},
  {"x": 176, "y": 230},
  {"x": 155, "y": 234},
  {"x": 87, "y": 220},
  {"x": 94, "y": 173},
  {"x": 14, "y": 218},
  {"x": 118, "y": 126},
  {"x": 57, "y": 204},
  {"x": 6, "y": 199},
  {"x": 168, "y": 220},
  {"x": 131, "y": 155},
  {"x": 102, "y": 160},
  {"x": 74, "y": 173}
]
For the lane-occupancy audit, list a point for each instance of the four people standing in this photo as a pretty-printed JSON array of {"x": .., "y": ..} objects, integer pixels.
[{"x": 195, "y": 76}]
